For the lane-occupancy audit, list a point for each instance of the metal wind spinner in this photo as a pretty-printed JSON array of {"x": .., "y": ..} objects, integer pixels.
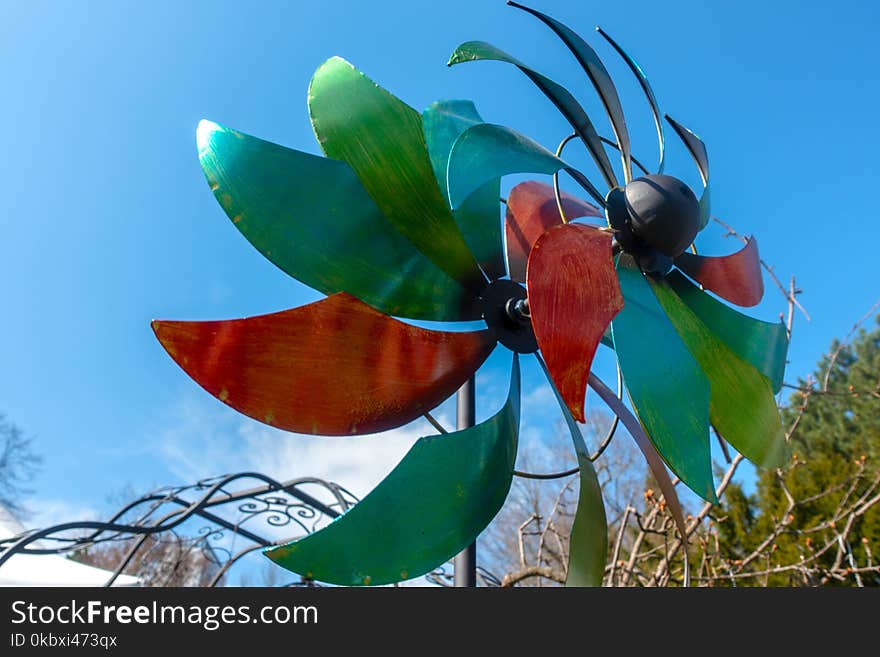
[{"x": 402, "y": 219}]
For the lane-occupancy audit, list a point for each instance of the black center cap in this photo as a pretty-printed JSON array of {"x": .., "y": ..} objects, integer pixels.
[{"x": 505, "y": 309}]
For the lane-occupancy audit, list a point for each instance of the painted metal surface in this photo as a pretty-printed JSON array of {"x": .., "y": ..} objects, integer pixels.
[
  {"x": 531, "y": 210},
  {"x": 599, "y": 76},
  {"x": 381, "y": 138},
  {"x": 649, "y": 94},
  {"x": 663, "y": 212},
  {"x": 573, "y": 295},
  {"x": 487, "y": 151},
  {"x": 762, "y": 344},
  {"x": 736, "y": 277},
  {"x": 478, "y": 218},
  {"x": 652, "y": 457},
  {"x": 312, "y": 218},
  {"x": 588, "y": 545},
  {"x": 505, "y": 311},
  {"x": 742, "y": 407},
  {"x": 464, "y": 564},
  {"x": 443, "y": 493},
  {"x": 697, "y": 149},
  {"x": 567, "y": 105},
  {"x": 333, "y": 367},
  {"x": 668, "y": 389}
]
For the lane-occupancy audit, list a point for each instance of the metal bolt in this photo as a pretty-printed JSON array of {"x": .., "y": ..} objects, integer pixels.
[{"x": 518, "y": 311}]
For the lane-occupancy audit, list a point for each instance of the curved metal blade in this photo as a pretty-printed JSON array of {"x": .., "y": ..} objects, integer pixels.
[
  {"x": 573, "y": 295},
  {"x": 588, "y": 546},
  {"x": 735, "y": 277},
  {"x": 669, "y": 391},
  {"x": 742, "y": 407},
  {"x": 649, "y": 94},
  {"x": 478, "y": 218},
  {"x": 697, "y": 149},
  {"x": 333, "y": 367},
  {"x": 641, "y": 167},
  {"x": 599, "y": 76},
  {"x": 762, "y": 344},
  {"x": 437, "y": 500},
  {"x": 652, "y": 457},
  {"x": 531, "y": 210},
  {"x": 563, "y": 100},
  {"x": 487, "y": 151},
  {"x": 312, "y": 218},
  {"x": 381, "y": 138}
]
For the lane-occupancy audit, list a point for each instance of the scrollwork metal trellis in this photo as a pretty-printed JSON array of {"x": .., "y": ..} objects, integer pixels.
[{"x": 230, "y": 508}]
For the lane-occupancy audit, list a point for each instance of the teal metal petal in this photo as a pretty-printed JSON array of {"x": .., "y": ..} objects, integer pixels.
[
  {"x": 563, "y": 100},
  {"x": 381, "y": 138},
  {"x": 697, "y": 149},
  {"x": 652, "y": 457},
  {"x": 311, "y": 217},
  {"x": 742, "y": 407},
  {"x": 598, "y": 74},
  {"x": 437, "y": 500},
  {"x": 588, "y": 546},
  {"x": 479, "y": 218},
  {"x": 669, "y": 391},
  {"x": 487, "y": 151},
  {"x": 762, "y": 344}
]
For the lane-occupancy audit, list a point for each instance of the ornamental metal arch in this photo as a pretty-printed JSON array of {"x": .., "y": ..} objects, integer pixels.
[{"x": 202, "y": 517}]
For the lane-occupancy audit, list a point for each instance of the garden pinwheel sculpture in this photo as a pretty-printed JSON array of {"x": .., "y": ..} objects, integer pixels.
[{"x": 401, "y": 220}]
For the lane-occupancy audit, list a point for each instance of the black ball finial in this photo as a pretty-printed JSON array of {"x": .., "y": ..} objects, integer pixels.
[{"x": 663, "y": 212}]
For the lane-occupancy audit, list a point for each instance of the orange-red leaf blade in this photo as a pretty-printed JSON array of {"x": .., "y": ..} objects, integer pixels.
[
  {"x": 736, "y": 277},
  {"x": 573, "y": 296},
  {"x": 333, "y": 367},
  {"x": 531, "y": 210}
]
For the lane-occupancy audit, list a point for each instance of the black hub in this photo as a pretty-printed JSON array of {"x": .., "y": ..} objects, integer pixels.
[
  {"x": 656, "y": 218},
  {"x": 506, "y": 311}
]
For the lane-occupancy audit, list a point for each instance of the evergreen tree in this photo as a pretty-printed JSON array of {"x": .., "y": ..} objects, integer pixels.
[{"x": 835, "y": 463}]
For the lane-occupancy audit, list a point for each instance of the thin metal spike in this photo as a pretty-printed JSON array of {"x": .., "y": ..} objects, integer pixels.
[
  {"x": 697, "y": 149},
  {"x": 613, "y": 145},
  {"x": 649, "y": 94},
  {"x": 584, "y": 182},
  {"x": 599, "y": 76}
]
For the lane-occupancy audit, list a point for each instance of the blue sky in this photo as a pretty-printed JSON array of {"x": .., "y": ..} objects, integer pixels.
[{"x": 108, "y": 222}]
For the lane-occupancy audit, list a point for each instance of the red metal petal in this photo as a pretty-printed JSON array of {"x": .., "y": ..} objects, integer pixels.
[
  {"x": 573, "y": 295},
  {"x": 736, "y": 277},
  {"x": 531, "y": 210},
  {"x": 333, "y": 367}
]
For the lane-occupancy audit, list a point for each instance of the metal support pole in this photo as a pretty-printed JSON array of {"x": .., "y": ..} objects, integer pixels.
[{"x": 465, "y": 565}]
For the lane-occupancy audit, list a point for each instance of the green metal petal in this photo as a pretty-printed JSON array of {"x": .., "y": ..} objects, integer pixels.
[
  {"x": 311, "y": 217},
  {"x": 669, "y": 391},
  {"x": 478, "y": 218},
  {"x": 563, "y": 100},
  {"x": 443, "y": 493},
  {"x": 381, "y": 138},
  {"x": 762, "y": 344},
  {"x": 588, "y": 546},
  {"x": 742, "y": 407},
  {"x": 487, "y": 151}
]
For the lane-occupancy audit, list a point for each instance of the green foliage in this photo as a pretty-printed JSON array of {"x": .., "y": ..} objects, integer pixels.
[{"x": 826, "y": 492}]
